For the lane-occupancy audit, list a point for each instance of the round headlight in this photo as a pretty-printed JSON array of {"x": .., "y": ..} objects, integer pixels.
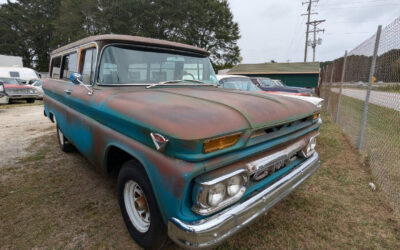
[
  {"x": 234, "y": 185},
  {"x": 309, "y": 150},
  {"x": 216, "y": 194}
]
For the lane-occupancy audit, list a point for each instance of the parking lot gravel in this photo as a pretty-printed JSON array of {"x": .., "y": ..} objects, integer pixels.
[{"x": 18, "y": 127}]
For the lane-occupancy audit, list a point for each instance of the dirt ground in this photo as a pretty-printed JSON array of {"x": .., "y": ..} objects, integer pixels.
[
  {"x": 19, "y": 125},
  {"x": 49, "y": 199}
]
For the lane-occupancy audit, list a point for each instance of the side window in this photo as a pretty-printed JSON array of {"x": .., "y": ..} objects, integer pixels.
[
  {"x": 14, "y": 74},
  {"x": 89, "y": 64},
  {"x": 55, "y": 67},
  {"x": 69, "y": 65}
]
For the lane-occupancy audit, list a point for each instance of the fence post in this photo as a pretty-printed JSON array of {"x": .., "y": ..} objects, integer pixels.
[
  {"x": 341, "y": 86},
  {"x": 330, "y": 86},
  {"x": 371, "y": 75}
]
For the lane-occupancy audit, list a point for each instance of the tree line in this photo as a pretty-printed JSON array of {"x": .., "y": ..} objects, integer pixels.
[{"x": 32, "y": 29}]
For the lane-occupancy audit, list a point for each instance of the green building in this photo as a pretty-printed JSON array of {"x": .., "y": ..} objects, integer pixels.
[{"x": 291, "y": 74}]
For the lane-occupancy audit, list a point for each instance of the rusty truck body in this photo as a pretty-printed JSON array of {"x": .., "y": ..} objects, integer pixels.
[{"x": 195, "y": 162}]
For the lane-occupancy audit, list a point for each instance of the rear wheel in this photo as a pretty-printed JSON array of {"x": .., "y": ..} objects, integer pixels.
[
  {"x": 63, "y": 142},
  {"x": 30, "y": 100},
  {"x": 139, "y": 208}
]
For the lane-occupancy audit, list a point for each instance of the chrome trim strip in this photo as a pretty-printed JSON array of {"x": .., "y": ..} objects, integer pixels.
[
  {"x": 222, "y": 178},
  {"x": 213, "y": 230},
  {"x": 284, "y": 154}
]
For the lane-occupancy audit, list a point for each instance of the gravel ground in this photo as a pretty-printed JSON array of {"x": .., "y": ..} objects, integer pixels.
[
  {"x": 385, "y": 99},
  {"x": 18, "y": 127}
]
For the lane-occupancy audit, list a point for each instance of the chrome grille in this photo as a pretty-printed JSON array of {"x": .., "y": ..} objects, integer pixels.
[{"x": 280, "y": 127}]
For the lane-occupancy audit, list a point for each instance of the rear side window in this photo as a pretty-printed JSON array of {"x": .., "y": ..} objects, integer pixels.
[
  {"x": 56, "y": 67},
  {"x": 89, "y": 64},
  {"x": 69, "y": 65},
  {"x": 14, "y": 74}
]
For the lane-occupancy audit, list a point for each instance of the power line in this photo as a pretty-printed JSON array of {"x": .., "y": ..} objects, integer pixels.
[
  {"x": 362, "y": 2},
  {"x": 295, "y": 35},
  {"x": 352, "y": 7}
]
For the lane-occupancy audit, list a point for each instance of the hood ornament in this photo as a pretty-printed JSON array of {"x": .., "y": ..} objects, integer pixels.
[{"x": 160, "y": 142}]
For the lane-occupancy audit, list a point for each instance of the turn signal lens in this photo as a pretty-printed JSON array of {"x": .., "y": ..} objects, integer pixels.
[
  {"x": 220, "y": 143},
  {"x": 316, "y": 116}
]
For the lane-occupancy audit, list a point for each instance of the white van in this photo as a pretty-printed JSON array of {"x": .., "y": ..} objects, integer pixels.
[{"x": 20, "y": 73}]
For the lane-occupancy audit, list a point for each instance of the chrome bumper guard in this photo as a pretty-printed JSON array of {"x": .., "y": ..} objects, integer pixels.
[{"x": 213, "y": 230}]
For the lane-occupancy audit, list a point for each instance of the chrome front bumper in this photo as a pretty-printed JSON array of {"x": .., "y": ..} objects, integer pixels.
[
  {"x": 23, "y": 96},
  {"x": 213, "y": 230}
]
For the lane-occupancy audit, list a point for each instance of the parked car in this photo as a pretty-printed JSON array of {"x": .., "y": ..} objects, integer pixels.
[
  {"x": 16, "y": 91},
  {"x": 271, "y": 85},
  {"x": 21, "y": 74},
  {"x": 314, "y": 100},
  {"x": 37, "y": 84},
  {"x": 194, "y": 162},
  {"x": 3, "y": 96},
  {"x": 237, "y": 82},
  {"x": 244, "y": 83}
]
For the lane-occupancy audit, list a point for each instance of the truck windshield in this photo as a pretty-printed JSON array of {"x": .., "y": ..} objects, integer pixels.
[
  {"x": 9, "y": 81},
  {"x": 129, "y": 65}
]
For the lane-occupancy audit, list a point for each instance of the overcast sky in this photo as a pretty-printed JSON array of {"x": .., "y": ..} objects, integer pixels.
[{"x": 275, "y": 29}]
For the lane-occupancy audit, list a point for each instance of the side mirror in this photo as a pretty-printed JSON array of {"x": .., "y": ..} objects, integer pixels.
[{"x": 76, "y": 78}]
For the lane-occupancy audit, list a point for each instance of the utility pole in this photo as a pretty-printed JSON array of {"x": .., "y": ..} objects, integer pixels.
[
  {"x": 308, "y": 14},
  {"x": 315, "y": 31}
]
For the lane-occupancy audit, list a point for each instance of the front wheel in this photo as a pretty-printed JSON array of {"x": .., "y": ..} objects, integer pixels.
[
  {"x": 30, "y": 100},
  {"x": 139, "y": 208}
]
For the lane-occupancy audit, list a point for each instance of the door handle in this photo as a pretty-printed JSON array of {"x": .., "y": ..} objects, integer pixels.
[{"x": 68, "y": 91}]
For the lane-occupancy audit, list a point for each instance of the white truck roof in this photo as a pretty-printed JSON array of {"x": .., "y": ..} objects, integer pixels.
[{"x": 19, "y": 73}]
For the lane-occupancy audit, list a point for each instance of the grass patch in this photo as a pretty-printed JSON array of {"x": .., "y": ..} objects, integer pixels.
[
  {"x": 36, "y": 156},
  {"x": 381, "y": 141}
]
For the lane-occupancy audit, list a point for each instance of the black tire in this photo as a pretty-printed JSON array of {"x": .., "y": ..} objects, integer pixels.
[
  {"x": 63, "y": 142},
  {"x": 156, "y": 235},
  {"x": 30, "y": 100}
]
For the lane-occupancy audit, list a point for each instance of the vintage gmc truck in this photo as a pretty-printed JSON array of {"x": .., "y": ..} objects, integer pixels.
[{"x": 195, "y": 162}]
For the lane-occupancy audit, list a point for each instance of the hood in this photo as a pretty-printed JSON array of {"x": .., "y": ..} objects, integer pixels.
[{"x": 195, "y": 113}]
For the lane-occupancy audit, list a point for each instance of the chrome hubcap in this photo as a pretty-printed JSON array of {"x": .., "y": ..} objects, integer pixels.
[
  {"x": 136, "y": 206},
  {"x": 60, "y": 136}
]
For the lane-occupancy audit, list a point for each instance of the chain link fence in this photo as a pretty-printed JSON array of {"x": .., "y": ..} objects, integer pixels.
[{"x": 362, "y": 94}]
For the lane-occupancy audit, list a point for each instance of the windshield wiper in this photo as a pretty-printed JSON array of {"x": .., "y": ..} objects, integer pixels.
[{"x": 179, "y": 81}]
